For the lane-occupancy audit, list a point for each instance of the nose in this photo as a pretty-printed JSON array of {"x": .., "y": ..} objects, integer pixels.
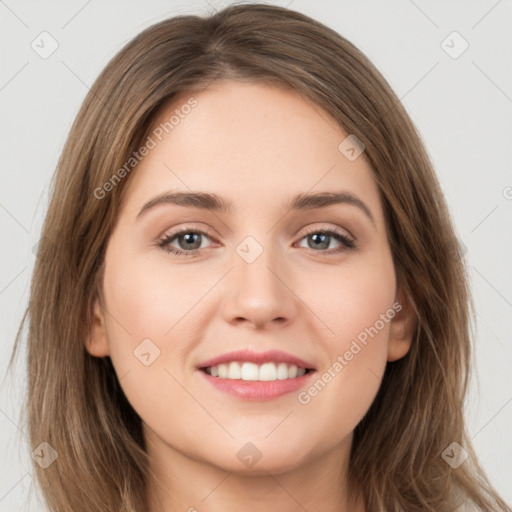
[{"x": 259, "y": 294}]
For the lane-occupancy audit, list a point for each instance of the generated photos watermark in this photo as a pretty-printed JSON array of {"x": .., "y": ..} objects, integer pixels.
[
  {"x": 342, "y": 360},
  {"x": 151, "y": 142}
]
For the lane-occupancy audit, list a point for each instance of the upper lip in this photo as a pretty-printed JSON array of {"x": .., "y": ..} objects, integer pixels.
[{"x": 276, "y": 356}]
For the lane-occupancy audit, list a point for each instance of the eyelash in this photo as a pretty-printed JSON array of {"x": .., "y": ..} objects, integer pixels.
[{"x": 348, "y": 244}]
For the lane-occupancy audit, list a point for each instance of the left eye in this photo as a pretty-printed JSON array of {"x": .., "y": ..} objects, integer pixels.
[{"x": 322, "y": 240}]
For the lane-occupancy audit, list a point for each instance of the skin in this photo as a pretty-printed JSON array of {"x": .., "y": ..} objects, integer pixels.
[{"x": 255, "y": 145}]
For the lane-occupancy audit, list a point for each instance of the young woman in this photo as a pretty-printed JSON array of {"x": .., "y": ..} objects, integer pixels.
[{"x": 248, "y": 294}]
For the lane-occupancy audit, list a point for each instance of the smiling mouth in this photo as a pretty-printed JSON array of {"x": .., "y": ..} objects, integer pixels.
[{"x": 248, "y": 371}]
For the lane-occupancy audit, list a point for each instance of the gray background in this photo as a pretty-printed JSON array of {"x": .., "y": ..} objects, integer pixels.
[{"x": 462, "y": 107}]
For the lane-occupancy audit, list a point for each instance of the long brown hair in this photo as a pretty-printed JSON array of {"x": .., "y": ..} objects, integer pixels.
[{"x": 75, "y": 402}]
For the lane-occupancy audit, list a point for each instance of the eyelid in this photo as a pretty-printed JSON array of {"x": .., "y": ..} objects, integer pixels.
[
  {"x": 208, "y": 232},
  {"x": 334, "y": 229},
  {"x": 185, "y": 229}
]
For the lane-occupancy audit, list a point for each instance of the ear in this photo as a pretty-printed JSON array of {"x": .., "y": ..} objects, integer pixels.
[
  {"x": 97, "y": 340},
  {"x": 402, "y": 326}
]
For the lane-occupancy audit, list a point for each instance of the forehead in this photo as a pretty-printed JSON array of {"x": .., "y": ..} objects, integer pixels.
[{"x": 247, "y": 142}]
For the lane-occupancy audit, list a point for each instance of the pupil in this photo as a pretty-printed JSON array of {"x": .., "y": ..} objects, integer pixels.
[
  {"x": 315, "y": 237},
  {"x": 189, "y": 239}
]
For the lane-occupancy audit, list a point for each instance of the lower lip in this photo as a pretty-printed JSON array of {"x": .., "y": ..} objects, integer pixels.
[{"x": 257, "y": 390}]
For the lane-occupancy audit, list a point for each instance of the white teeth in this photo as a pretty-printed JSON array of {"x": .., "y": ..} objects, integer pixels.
[
  {"x": 250, "y": 371},
  {"x": 268, "y": 371},
  {"x": 234, "y": 371},
  {"x": 223, "y": 371},
  {"x": 282, "y": 371}
]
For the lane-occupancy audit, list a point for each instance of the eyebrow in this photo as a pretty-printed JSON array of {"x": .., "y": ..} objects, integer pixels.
[{"x": 215, "y": 203}]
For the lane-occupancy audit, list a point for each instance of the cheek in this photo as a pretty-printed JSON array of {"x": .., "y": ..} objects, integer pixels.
[
  {"x": 357, "y": 307},
  {"x": 349, "y": 299},
  {"x": 147, "y": 302},
  {"x": 146, "y": 322}
]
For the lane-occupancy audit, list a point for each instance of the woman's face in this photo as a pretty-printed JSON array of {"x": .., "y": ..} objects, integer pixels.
[{"x": 296, "y": 275}]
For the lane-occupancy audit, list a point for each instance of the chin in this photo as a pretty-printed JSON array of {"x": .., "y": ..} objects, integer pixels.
[{"x": 260, "y": 458}]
